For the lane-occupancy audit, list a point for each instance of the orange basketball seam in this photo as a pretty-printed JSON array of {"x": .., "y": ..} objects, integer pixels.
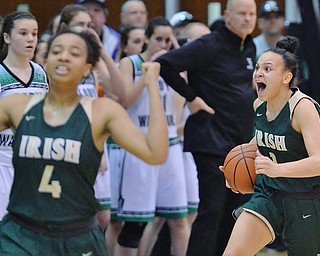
[
  {"x": 249, "y": 173},
  {"x": 235, "y": 175},
  {"x": 245, "y": 161},
  {"x": 233, "y": 158},
  {"x": 240, "y": 169}
]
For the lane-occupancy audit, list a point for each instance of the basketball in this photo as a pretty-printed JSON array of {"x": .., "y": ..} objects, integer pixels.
[{"x": 239, "y": 168}]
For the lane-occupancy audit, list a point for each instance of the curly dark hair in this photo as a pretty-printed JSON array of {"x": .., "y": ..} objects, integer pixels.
[{"x": 92, "y": 45}]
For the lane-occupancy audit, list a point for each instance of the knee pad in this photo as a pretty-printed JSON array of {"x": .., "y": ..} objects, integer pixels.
[{"x": 131, "y": 234}]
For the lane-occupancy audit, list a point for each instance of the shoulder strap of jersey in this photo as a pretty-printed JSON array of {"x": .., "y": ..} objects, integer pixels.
[
  {"x": 295, "y": 99},
  {"x": 136, "y": 63},
  {"x": 35, "y": 99},
  {"x": 86, "y": 103},
  {"x": 258, "y": 103},
  {"x": 3, "y": 74},
  {"x": 39, "y": 69}
]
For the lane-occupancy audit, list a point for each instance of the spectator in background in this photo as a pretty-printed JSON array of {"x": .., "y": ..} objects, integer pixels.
[
  {"x": 220, "y": 22},
  {"x": 55, "y": 24},
  {"x": 52, "y": 28},
  {"x": 133, "y": 13},
  {"x": 74, "y": 15},
  {"x": 179, "y": 20},
  {"x": 193, "y": 31},
  {"x": 109, "y": 37},
  {"x": 40, "y": 52},
  {"x": 271, "y": 25},
  {"x": 220, "y": 96},
  {"x": 132, "y": 40}
]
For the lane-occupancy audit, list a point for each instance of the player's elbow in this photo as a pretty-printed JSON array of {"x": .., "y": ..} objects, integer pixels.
[{"x": 158, "y": 158}]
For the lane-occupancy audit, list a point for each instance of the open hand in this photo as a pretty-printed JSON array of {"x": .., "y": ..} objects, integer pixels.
[
  {"x": 199, "y": 104},
  {"x": 227, "y": 183}
]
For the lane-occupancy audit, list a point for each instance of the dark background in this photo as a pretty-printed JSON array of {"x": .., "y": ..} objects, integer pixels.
[{"x": 44, "y": 10}]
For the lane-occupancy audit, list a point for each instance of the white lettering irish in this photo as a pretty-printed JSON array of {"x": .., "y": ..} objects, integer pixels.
[
  {"x": 57, "y": 149},
  {"x": 269, "y": 140}
]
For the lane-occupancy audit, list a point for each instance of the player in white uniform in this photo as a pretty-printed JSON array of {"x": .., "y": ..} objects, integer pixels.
[
  {"x": 17, "y": 75},
  {"x": 147, "y": 190},
  {"x": 132, "y": 41},
  {"x": 190, "y": 169}
]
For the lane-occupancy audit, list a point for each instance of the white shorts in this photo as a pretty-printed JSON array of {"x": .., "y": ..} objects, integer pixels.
[
  {"x": 116, "y": 155},
  {"x": 137, "y": 190},
  {"x": 191, "y": 175},
  {"x": 102, "y": 185},
  {"x": 102, "y": 190},
  {"x": 6, "y": 180},
  {"x": 172, "y": 192}
]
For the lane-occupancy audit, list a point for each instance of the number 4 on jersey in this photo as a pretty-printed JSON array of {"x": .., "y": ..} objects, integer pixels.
[{"x": 46, "y": 187}]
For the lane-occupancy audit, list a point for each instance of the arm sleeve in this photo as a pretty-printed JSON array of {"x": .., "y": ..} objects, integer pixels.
[{"x": 187, "y": 58}]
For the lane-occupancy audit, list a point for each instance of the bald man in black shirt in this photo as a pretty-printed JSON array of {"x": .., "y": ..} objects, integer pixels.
[{"x": 220, "y": 96}]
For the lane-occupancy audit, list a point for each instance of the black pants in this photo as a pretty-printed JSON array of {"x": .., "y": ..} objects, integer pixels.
[{"x": 212, "y": 228}]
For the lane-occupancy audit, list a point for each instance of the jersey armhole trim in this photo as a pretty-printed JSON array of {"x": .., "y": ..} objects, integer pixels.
[
  {"x": 296, "y": 98},
  {"x": 33, "y": 101},
  {"x": 86, "y": 103}
]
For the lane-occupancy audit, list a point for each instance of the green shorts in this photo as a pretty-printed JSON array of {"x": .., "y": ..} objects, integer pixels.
[
  {"x": 17, "y": 240},
  {"x": 297, "y": 220}
]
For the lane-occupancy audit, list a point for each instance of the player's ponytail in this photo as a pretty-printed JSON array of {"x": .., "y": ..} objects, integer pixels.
[{"x": 288, "y": 47}]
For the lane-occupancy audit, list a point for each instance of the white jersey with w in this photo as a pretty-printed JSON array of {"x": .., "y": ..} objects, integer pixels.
[
  {"x": 10, "y": 84},
  {"x": 140, "y": 112}
]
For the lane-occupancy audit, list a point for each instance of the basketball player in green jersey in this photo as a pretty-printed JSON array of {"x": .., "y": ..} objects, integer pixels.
[
  {"x": 59, "y": 140},
  {"x": 287, "y": 132}
]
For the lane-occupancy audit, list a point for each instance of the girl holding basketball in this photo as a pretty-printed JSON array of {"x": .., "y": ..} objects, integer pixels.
[{"x": 287, "y": 132}]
